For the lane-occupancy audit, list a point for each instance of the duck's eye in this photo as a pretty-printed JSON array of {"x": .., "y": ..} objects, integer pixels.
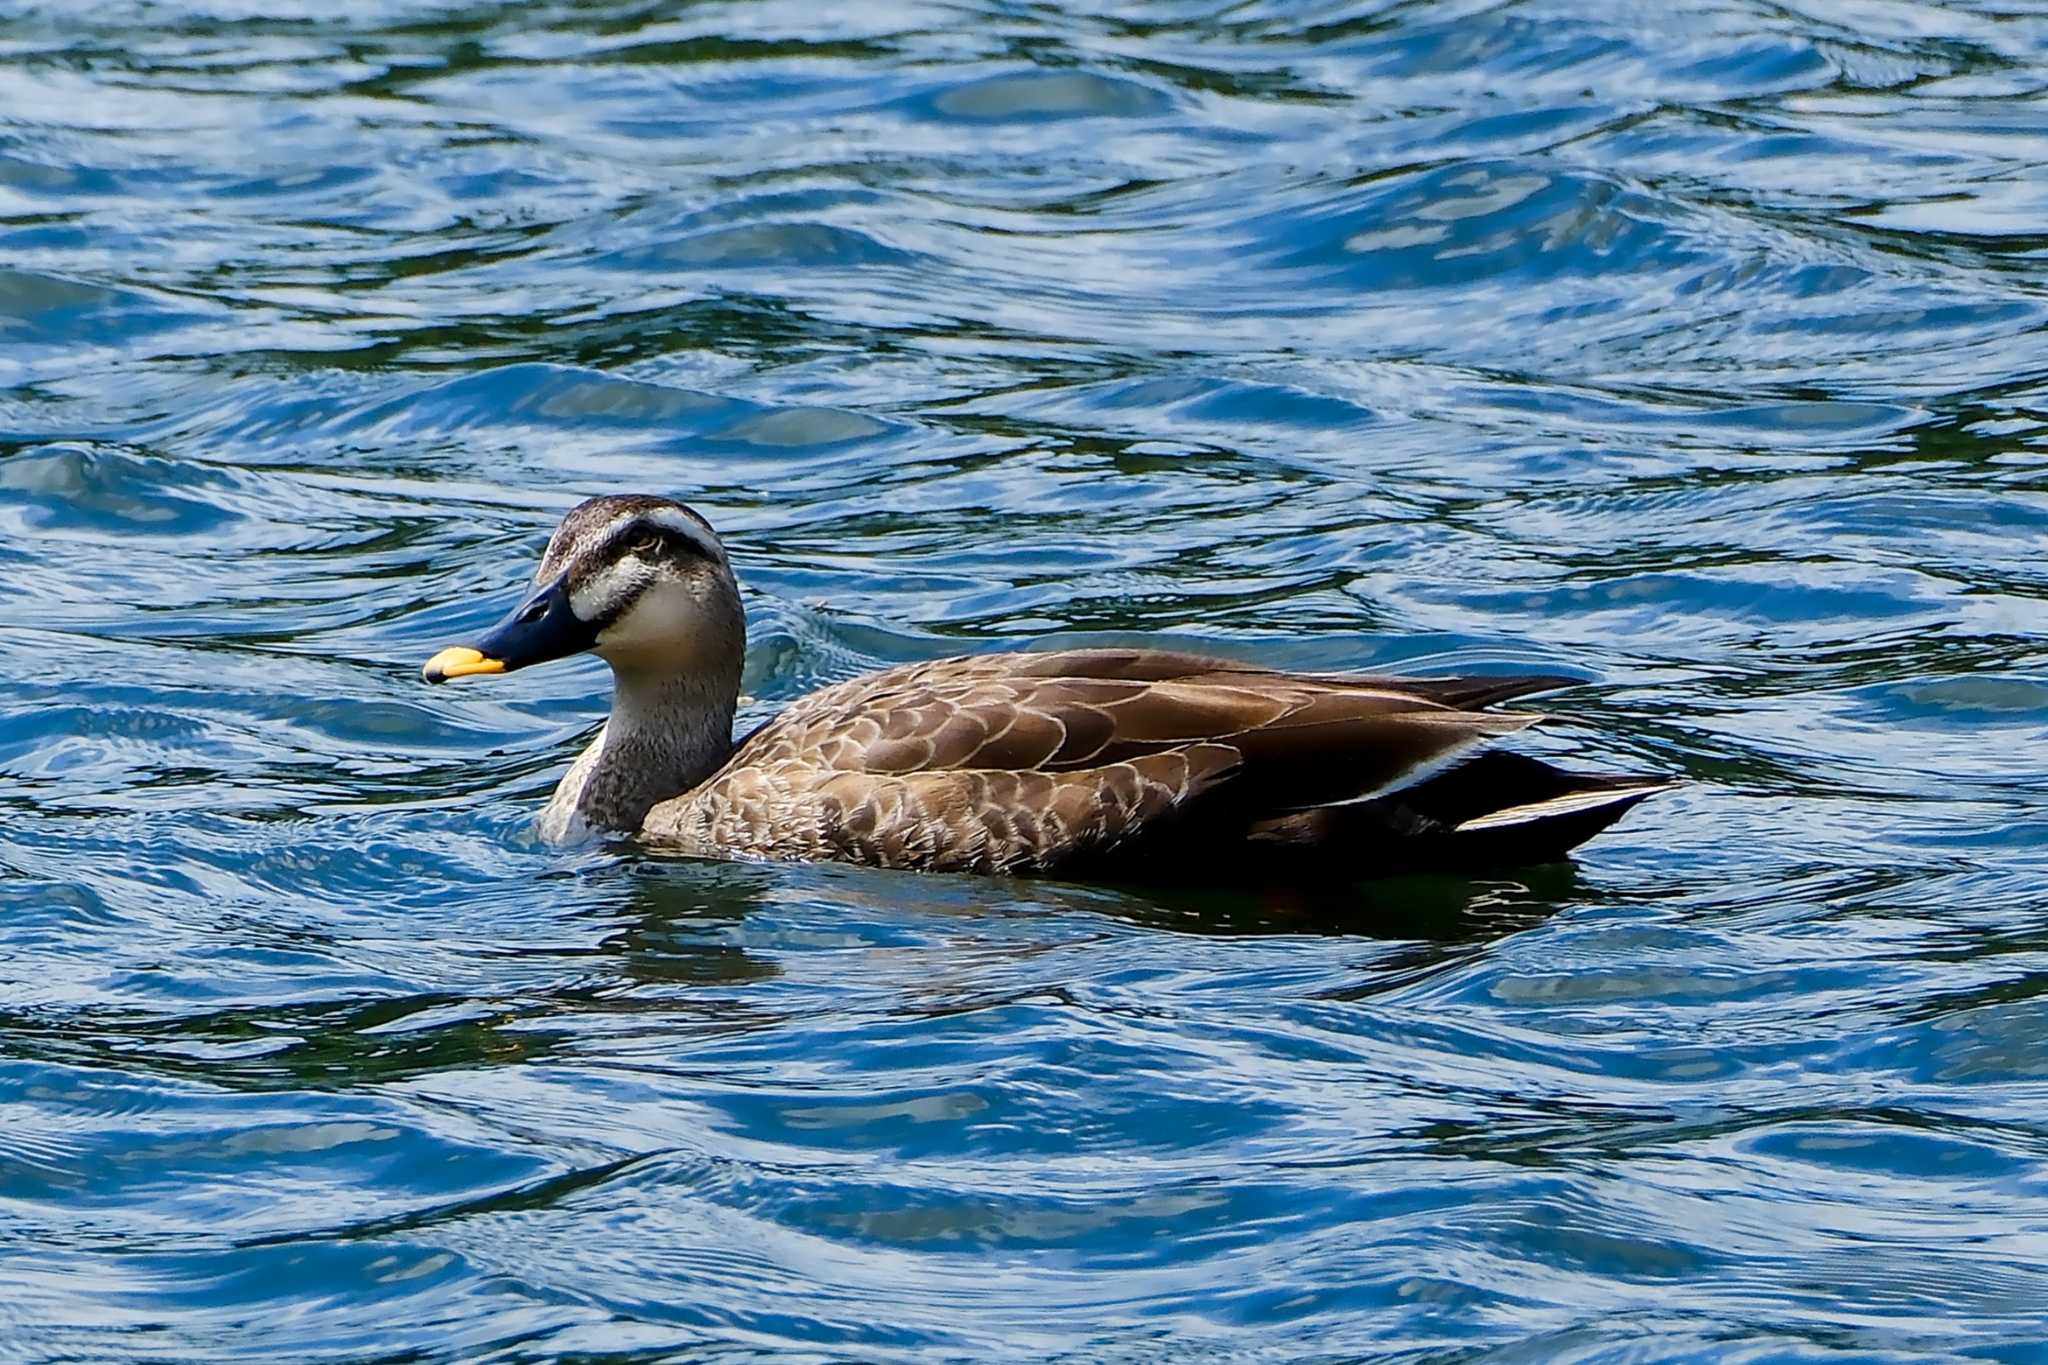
[
  {"x": 533, "y": 611},
  {"x": 645, "y": 544}
]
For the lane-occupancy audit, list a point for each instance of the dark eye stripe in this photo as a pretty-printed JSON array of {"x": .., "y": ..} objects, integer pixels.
[
  {"x": 668, "y": 542},
  {"x": 650, "y": 542}
]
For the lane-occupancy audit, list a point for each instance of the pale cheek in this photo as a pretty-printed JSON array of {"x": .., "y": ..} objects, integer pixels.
[
  {"x": 664, "y": 624},
  {"x": 588, "y": 598}
]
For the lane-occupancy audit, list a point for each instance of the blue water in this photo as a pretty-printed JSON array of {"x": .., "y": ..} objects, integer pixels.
[{"x": 1701, "y": 354}]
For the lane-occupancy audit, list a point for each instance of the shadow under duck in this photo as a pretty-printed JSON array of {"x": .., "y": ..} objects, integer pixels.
[{"x": 1128, "y": 763}]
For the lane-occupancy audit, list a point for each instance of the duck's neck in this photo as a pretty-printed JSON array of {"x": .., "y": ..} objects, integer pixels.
[{"x": 667, "y": 733}]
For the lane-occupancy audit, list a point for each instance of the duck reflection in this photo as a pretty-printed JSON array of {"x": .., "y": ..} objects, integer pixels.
[
  {"x": 1429, "y": 907},
  {"x": 675, "y": 900},
  {"x": 679, "y": 922}
]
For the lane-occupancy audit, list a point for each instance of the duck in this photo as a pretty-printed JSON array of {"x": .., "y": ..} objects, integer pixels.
[{"x": 1096, "y": 762}]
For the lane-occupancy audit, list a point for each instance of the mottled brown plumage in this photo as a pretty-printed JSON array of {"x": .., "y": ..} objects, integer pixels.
[{"x": 1126, "y": 762}]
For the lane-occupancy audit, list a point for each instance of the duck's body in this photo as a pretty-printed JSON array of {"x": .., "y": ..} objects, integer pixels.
[{"x": 1125, "y": 762}]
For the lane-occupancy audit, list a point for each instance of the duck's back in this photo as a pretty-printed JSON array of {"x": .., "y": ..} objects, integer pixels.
[{"x": 1139, "y": 762}]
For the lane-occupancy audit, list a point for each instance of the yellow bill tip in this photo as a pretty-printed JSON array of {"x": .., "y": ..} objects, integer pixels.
[{"x": 459, "y": 661}]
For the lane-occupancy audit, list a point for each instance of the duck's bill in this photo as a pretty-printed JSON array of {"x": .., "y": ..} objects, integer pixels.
[
  {"x": 460, "y": 661},
  {"x": 539, "y": 629}
]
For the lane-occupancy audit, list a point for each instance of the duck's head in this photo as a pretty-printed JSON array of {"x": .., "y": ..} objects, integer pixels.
[{"x": 642, "y": 582}]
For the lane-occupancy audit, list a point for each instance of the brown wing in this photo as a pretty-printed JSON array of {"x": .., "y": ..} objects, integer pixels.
[
  {"x": 946, "y": 820},
  {"x": 983, "y": 820},
  {"x": 1160, "y": 665},
  {"x": 1334, "y": 736},
  {"x": 1009, "y": 761}
]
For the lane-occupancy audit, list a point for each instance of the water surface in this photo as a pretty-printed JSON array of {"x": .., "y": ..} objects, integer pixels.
[{"x": 1701, "y": 358}]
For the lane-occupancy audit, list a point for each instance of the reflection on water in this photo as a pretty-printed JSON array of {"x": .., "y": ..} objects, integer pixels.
[{"x": 1698, "y": 358}]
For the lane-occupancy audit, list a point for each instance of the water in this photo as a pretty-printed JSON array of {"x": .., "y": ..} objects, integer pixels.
[{"x": 1698, "y": 354}]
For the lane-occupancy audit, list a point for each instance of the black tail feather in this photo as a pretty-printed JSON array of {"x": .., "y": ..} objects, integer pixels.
[
  {"x": 1497, "y": 809},
  {"x": 1471, "y": 693}
]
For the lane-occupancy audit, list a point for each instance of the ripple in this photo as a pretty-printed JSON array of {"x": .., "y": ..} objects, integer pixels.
[
  {"x": 112, "y": 492},
  {"x": 762, "y": 246},
  {"x": 1034, "y": 95}
]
